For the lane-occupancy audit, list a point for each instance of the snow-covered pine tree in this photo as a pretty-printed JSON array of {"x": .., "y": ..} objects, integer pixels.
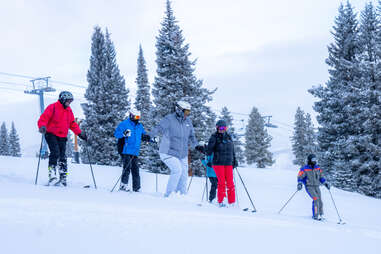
[
  {"x": 298, "y": 139},
  {"x": 144, "y": 105},
  {"x": 107, "y": 104},
  {"x": 4, "y": 142},
  {"x": 226, "y": 115},
  {"x": 311, "y": 140},
  {"x": 336, "y": 106},
  {"x": 14, "y": 142},
  {"x": 175, "y": 80},
  {"x": 258, "y": 141},
  {"x": 69, "y": 146},
  {"x": 367, "y": 166}
]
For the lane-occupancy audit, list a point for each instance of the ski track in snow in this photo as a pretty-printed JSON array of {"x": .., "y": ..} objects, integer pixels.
[{"x": 40, "y": 219}]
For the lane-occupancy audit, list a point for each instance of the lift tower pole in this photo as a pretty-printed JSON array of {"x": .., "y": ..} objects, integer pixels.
[{"x": 40, "y": 86}]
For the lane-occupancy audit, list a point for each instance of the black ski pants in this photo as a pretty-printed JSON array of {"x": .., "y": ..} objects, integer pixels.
[
  {"x": 213, "y": 188},
  {"x": 130, "y": 164},
  {"x": 57, "y": 148}
]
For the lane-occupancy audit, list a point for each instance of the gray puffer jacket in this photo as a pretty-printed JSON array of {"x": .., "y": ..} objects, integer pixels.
[{"x": 178, "y": 135}]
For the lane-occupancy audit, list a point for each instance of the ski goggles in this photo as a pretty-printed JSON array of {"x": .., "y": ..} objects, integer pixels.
[
  {"x": 186, "y": 111},
  {"x": 222, "y": 128},
  {"x": 136, "y": 117}
]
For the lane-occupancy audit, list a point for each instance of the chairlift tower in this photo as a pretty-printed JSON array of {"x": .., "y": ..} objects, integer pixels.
[
  {"x": 41, "y": 86},
  {"x": 267, "y": 123}
]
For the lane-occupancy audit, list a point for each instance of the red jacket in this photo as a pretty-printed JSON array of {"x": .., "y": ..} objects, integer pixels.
[{"x": 58, "y": 120}]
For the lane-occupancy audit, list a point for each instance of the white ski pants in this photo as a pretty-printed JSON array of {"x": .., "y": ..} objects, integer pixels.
[{"x": 178, "y": 173}]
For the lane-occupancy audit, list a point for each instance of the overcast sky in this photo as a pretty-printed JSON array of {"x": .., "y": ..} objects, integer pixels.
[{"x": 257, "y": 53}]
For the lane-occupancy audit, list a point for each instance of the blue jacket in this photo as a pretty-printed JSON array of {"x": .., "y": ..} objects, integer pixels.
[
  {"x": 311, "y": 176},
  {"x": 209, "y": 171},
  {"x": 132, "y": 143}
]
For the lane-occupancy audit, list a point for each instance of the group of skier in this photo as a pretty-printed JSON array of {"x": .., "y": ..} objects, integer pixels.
[{"x": 177, "y": 136}]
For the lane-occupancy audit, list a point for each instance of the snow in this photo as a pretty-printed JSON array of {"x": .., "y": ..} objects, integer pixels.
[{"x": 40, "y": 219}]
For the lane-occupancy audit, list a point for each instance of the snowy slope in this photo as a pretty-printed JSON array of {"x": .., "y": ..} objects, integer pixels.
[{"x": 39, "y": 219}]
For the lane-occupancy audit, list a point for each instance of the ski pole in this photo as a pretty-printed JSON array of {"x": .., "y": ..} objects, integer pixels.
[
  {"x": 156, "y": 181},
  {"x": 203, "y": 192},
  {"x": 128, "y": 165},
  {"x": 288, "y": 201},
  {"x": 91, "y": 168},
  {"x": 190, "y": 183},
  {"x": 340, "y": 220},
  {"x": 254, "y": 210},
  {"x": 236, "y": 190},
  {"x": 39, "y": 158}
]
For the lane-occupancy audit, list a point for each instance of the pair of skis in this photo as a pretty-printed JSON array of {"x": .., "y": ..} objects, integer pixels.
[
  {"x": 244, "y": 209},
  {"x": 53, "y": 182}
]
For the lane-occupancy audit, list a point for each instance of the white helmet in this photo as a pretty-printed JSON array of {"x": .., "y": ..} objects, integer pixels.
[
  {"x": 183, "y": 105},
  {"x": 135, "y": 112}
]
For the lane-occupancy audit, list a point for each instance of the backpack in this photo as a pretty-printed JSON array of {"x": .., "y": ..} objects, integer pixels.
[{"x": 120, "y": 145}]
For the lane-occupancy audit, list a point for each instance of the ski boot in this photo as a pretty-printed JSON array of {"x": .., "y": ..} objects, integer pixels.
[
  {"x": 221, "y": 204},
  {"x": 52, "y": 173},
  {"x": 63, "y": 174},
  {"x": 62, "y": 180},
  {"x": 123, "y": 187}
]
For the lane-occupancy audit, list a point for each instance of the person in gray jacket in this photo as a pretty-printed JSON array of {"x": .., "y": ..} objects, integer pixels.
[{"x": 177, "y": 135}]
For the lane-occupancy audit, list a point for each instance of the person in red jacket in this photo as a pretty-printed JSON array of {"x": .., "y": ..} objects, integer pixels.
[{"x": 55, "y": 123}]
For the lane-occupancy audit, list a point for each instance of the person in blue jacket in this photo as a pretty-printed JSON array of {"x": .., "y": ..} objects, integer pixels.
[
  {"x": 312, "y": 177},
  {"x": 130, "y": 132},
  {"x": 207, "y": 162}
]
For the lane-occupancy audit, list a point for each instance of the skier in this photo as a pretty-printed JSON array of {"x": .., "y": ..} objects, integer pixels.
[
  {"x": 131, "y": 133},
  {"x": 177, "y": 134},
  {"x": 207, "y": 162},
  {"x": 312, "y": 176},
  {"x": 222, "y": 147},
  {"x": 55, "y": 123}
]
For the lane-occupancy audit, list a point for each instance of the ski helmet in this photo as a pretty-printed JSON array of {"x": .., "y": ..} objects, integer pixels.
[
  {"x": 311, "y": 159},
  {"x": 135, "y": 114},
  {"x": 65, "y": 96},
  {"x": 181, "y": 106},
  {"x": 221, "y": 125}
]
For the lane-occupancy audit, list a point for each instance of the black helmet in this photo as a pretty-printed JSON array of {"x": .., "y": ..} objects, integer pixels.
[
  {"x": 65, "y": 96},
  {"x": 311, "y": 159},
  {"x": 221, "y": 123}
]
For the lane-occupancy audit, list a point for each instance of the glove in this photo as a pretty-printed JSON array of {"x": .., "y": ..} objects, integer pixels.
[
  {"x": 42, "y": 129},
  {"x": 300, "y": 186},
  {"x": 82, "y": 136},
  {"x": 327, "y": 185},
  {"x": 235, "y": 163},
  {"x": 153, "y": 140},
  {"x": 146, "y": 138},
  {"x": 127, "y": 133},
  {"x": 209, "y": 164},
  {"x": 201, "y": 149}
]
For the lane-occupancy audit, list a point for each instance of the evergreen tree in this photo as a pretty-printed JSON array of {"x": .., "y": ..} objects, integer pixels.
[
  {"x": 69, "y": 146},
  {"x": 144, "y": 105},
  {"x": 107, "y": 98},
  {"x": 258, "y": 141},
  {"x": 4, "y": 142},
  {"x": 175, "y": 80},
  {"x": 337, "y": 101},
  {"x": 311, "y": 141},
  {"x": 226, "y": 115},
  {"x": 304, "y": 137},
  {"x": 14, "y": 142},
  {"x": 298, "y": 139},
  {"x": 367, "y": 146}
]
